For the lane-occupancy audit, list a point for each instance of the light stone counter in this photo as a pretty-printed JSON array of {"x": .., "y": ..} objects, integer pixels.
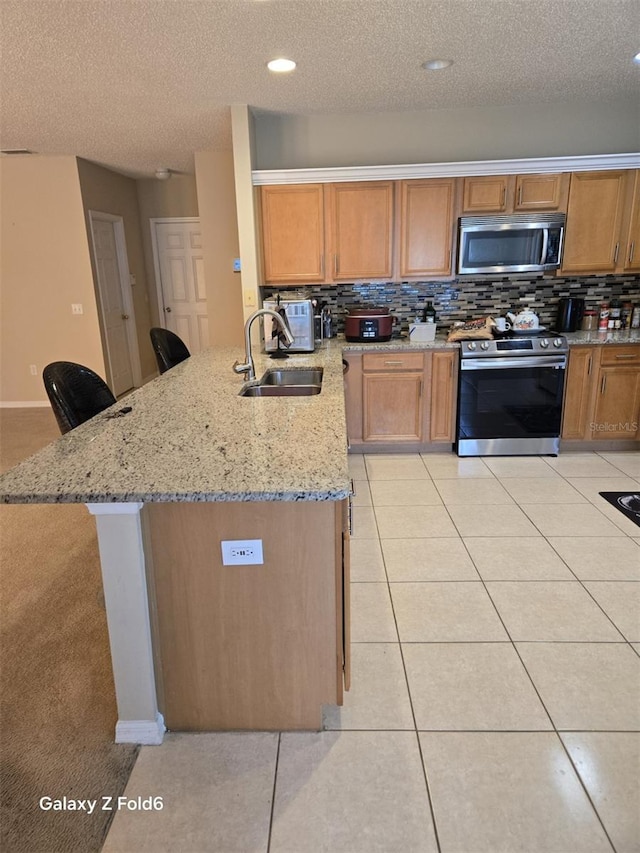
[
  {"x": 190, "y": 437},
  {"x": 595, "y": 338}
]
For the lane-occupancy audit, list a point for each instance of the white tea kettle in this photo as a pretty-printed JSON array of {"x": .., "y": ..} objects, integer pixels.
[{"x": 524, "y": 321}]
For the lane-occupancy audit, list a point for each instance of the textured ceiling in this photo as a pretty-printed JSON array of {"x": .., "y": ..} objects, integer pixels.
[{"x": 137, "y": 84}]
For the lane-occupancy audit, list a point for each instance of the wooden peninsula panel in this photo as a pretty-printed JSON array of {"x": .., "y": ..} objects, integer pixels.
[{"x": 247, "y": 647}]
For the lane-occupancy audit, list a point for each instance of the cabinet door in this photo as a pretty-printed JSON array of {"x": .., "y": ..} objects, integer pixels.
[
  {"x": 631, "y": 260},
  {"x": 486, "y": 193},
  {"x": 617, "y": 406},
  {"x": 426, "y": 227},
  {"x": 594, "y": 215},
  {"x": 578, "y": 392},
  {"x": 538, "y": 192},
  {"x": 392, "y": 406},
  {"x": 293, "y": 233},
  {"x": 362, "y": 230},
  {"x": 443, "y": 396}
]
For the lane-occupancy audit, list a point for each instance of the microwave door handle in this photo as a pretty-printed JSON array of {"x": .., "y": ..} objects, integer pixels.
[{"x": 545, "y": 246}]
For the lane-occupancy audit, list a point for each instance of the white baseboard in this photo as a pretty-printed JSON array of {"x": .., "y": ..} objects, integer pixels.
[
  {"x": 23, "y": 404},
  {"x": 145, "y": 732}
]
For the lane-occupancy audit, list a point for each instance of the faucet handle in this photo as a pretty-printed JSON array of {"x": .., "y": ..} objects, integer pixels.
[{"x": 241, "y": 368}]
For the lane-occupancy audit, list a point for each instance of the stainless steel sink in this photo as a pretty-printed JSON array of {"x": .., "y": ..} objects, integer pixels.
[
  {"x": 291, "y": 376},
  {"x": 280, "y": 390}
]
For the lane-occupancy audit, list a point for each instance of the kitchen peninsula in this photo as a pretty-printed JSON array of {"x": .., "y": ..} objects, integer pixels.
[{"x": 195, "y": 644}]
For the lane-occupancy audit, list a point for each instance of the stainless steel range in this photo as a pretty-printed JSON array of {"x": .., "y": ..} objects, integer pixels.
[{"x": 510, "y": 395}]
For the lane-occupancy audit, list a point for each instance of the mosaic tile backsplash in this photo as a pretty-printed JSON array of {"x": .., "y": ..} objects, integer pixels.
[{"x": 465, "y": 298}]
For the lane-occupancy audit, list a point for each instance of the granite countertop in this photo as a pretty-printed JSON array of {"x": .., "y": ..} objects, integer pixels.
[
  {"x": 440, "y": 342},
  {"x": 595, "y": 338},
  {"x": 190, "y": 437}
]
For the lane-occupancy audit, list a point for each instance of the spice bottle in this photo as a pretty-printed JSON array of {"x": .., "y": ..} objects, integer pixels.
[
  {"x": 627, "y": 310},
  {"x": 615, "y": 314},
  {"x": 603, "y": 322},
  {"x": 635, "y": 318},
  {"x": 589, "y": 320}
]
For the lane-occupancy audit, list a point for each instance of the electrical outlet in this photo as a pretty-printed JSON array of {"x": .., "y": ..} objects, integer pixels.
[
  {"x": 33, "y": 369},
  {"x": 76, "y": 308},
  {"x": 237, "y": 266},
  {"x": 242, "y": 552},
  {"x": 250, "y": 298}
]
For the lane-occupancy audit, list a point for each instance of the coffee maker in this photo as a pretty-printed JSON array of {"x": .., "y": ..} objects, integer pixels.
[{"x": 570, "y": 311}]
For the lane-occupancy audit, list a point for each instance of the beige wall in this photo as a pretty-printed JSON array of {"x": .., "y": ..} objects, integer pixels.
[
  {"x": 105, "y": 191},
  {"x": 217, "y": 205},
  {"x": 162, "y": 199},
  {"x": 433, "y": 136},
  {"x": 45, "y": 267}
]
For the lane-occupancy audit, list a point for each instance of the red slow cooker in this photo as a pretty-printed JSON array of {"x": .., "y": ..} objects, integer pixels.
[{"x": 371, "y": 325}]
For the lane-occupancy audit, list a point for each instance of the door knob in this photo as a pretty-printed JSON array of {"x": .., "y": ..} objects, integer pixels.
[
  {"x": 168, "y": 309},
  {"x": 125, "y": 316}
]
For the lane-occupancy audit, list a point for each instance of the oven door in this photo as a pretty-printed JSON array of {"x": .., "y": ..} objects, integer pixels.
[{"x": 510, "y": 405}]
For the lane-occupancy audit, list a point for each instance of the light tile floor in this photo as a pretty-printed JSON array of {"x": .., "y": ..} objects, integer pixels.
[{"x": 495, "y": 703}]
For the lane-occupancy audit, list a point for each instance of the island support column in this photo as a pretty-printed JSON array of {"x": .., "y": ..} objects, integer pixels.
[{"x": 124, "y": 580}]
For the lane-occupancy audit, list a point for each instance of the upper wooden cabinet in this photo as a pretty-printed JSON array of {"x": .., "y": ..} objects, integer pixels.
[
  {"x": 427, "y": 221},
  {"x": 485, "y": 194},
  {"x": 541, "y": 192},
  {"x": 594, "y": 222},
  {"x": 631, "y": 225},
  {"x": 361, "y": 217},
  {"x": 293, "y": 233}
]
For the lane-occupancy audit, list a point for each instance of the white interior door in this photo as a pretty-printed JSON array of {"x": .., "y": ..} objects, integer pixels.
[
  {"x": 180, "y": 269},
  {"x": 117, "y": 316}
]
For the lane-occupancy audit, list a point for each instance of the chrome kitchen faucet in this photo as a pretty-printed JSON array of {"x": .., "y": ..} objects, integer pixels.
[{"x": 281, "y": 322}]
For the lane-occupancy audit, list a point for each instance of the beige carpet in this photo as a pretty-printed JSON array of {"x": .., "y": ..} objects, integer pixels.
[{"x": 57, "y": 703}]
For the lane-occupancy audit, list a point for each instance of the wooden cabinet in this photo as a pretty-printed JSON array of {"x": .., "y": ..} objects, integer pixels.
[
  {"x": 509, "y": 193},
  {"x": 444, "y": 384},
  {"x": 393, "y": 397},
  {"x": 594, "y": 222},
  {"x": 250, "y": 647},
  {"x": 541, "y": 192},
  {"x": 427, "y": 227},
  {"x": 602, "y": 393},
  {"x": 293, "y": 239},
  {"x": 631, "y": 225},
  {"x": 361, "y": 217},
  {"x": 398, "y": 399},
  {"x": 485, "y": 194}
]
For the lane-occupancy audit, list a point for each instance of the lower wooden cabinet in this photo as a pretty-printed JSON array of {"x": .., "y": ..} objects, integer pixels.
[
  {"x": 602, "y": 393},
  {"x": 249, "y": 647},
  {"x": 401, "y": 399}
]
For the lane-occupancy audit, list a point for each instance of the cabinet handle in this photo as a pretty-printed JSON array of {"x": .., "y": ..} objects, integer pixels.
[
  {"x": 420, "y": 389},
  {"x": 589, "y": 368},
  {"x": 520, "y": 195},
  {"x": 335, "y": 264},
  {"x": 350, "y": 516},
  {"x": 628, "y": 355},
  {"x": 631, "y": 248},
  {"x": 603, "y": 384},
  {"x": 394, "y": 363},
  {"x": 504, "y": 196},
  {"x": 615, "y": 253}
]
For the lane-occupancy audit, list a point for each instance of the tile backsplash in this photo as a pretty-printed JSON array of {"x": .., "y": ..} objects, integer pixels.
[{"x": 466, "y": 298}]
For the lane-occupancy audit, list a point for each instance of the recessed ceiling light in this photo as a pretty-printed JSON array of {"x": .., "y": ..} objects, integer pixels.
[
  {"x": 437, "y": 64},
  {"x": 281, "y": 65},
  {"x": 636, "y": 59}
]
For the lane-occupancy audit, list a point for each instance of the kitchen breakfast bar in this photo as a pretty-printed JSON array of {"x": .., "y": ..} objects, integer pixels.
[{"x": 198, "y": 645}]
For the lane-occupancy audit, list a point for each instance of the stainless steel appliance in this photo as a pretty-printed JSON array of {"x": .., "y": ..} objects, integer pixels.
[
  {"x": 369, "y": 324},
  {"x": 299, "y": 312},
  {"x": 510, "y": 395},
  {"x": 520, "y": 242},
  {"x": 570, "y": 311}
]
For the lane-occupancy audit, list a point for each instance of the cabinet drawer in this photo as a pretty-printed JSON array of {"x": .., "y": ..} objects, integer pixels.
[
  {"x": 612, "y": 355},
  {"x": 393, "y": 361}
]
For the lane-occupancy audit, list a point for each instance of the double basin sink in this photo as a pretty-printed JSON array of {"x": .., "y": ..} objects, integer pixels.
[{"x": 290, "y": 382}]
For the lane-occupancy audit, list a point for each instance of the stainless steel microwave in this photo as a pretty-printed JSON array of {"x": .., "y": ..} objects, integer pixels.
[{"x": 520, "y": 242}]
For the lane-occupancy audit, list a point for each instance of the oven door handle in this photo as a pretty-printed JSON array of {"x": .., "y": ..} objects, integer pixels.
[{"x": 491, "y": 363}]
